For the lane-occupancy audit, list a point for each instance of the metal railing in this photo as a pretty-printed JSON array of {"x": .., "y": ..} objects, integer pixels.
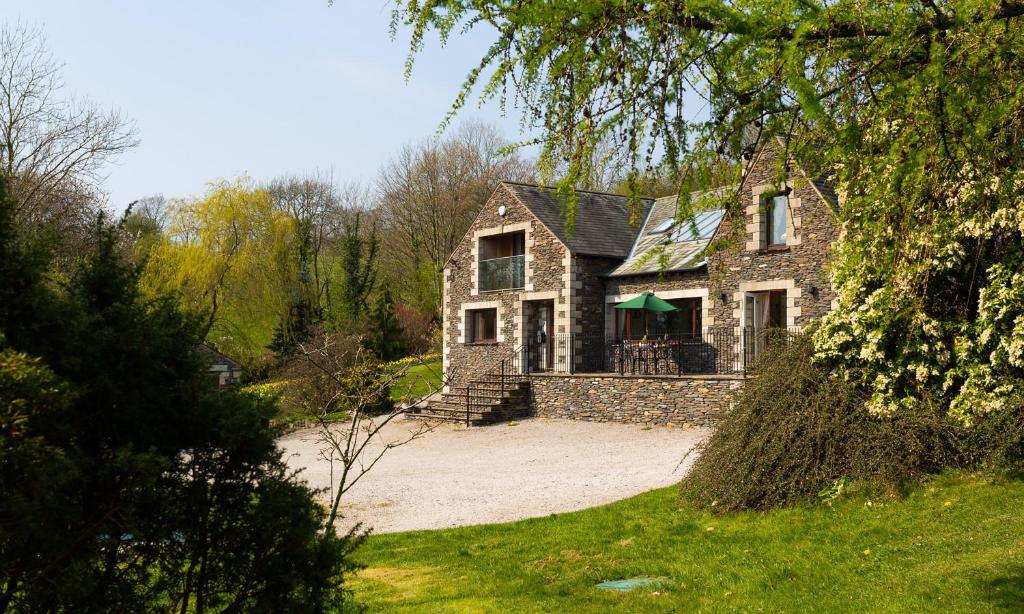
[
  {"x": 714, "y": 351},
  {"x": 502, "y": 273}
]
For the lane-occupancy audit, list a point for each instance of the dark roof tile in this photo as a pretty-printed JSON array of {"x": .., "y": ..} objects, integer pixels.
[{"x": 602, "y": 220}]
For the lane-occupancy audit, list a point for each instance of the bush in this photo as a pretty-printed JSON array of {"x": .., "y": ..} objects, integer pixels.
[
  {"x": 796, "y": 430},
  {"x": 128, "y": 481},
  {"x": 420, "y": 329},
  {"x": 333, "y": 377},
  {"x": 997, "y": 440}
]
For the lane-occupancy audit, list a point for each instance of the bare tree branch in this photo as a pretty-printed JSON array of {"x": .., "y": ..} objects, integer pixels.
[
  {"x": 50, "y": 145},
  {"x": 351, "y": 442}
]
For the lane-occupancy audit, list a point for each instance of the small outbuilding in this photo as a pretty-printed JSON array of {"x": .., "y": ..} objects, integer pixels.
[{"x": 227, "y": 371}]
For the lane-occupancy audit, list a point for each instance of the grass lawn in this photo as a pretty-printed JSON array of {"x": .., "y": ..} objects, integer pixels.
[
  {"x": 955, "y": 544},
  {"x": 419, "y": 381}
]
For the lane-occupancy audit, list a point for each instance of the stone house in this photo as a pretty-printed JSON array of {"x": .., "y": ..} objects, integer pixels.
[
  {"x": 225, "y": 370},
  {"x": 531, "y": 323}
]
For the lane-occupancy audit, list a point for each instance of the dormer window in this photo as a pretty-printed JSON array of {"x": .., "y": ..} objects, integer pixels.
[
  {"x": 665, "y": 226},
  {"x": 776, "y": 210}
]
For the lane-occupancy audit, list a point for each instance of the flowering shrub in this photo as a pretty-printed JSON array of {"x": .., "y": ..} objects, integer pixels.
[
  {"x": 928, "y": 276},
  {"x": 266, "y": 390},
  {"x": 797, "y": 432}
]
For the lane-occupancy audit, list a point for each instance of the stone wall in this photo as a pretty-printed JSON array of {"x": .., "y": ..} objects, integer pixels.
[
  {"x": 677, "y": 401},
  {"x": 811, "y": 230},
  {"x": 670, "y": 280},
  {"x": 591, "y": 294}
]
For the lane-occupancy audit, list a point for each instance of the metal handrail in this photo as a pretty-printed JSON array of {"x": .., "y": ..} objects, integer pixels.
[
  {"x": 714, "y": 350},
  {"x": 507, "y": 371}
]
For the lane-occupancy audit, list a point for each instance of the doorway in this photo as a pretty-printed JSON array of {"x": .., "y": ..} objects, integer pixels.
[
  {"x": 540, "y": 335},
  {"x": 763, "y": 314}
]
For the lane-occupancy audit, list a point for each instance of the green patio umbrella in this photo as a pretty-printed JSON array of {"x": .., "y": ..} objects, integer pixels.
[{"x": 647, "y": 302}]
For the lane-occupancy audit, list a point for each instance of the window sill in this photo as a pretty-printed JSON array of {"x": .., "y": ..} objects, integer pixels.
[
  {"x": 776, "y": 248},
  {"x": 481, "y": 343},
  {"x": 496, "y": 290}
]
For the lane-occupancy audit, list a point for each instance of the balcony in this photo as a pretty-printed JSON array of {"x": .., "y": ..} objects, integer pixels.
[{"x": 502, "y": 273}]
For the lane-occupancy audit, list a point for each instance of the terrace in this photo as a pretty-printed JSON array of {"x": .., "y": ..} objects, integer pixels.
[{"x": 712, "y": 351}]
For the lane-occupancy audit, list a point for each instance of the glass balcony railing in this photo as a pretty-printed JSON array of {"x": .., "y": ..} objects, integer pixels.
[{"x": 502, "y": 273}]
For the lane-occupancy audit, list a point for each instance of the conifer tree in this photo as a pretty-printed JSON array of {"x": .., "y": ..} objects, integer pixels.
[{"x": 385, "y": 336}]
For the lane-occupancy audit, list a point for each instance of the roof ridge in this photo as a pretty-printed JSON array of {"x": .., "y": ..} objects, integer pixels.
[
  {"x": 641, "y": 230},
  {"x": 551, "y": 187}
]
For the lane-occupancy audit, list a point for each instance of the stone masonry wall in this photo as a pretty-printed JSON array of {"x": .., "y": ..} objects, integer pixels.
[
  {"x": 544, "y": 271},
  {"x": 676, "y": 401},
  {"x": 679, "y": 280},
  {"x": 591, "y": 298},
  {"x": 812, "y": 230},
  {"x": 740, "y": 264}
]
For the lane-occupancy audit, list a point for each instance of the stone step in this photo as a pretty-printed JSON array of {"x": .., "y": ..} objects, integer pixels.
[
  {"x": 475, "y": 418},
  {"x": 492, "y": 399},
  {"x": 517, "y": 408}
]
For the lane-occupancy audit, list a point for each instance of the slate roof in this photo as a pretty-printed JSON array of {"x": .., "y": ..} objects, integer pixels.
[
  {"x": 664, "y": 245},
  {"x": 217, "y": 358},
  {"x": 827, "y": 191},
  {"x": 602, "y": 220}
]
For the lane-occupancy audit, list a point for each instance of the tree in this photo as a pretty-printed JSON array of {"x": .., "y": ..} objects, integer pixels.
[
  {"x": 155, "y": 210},
  {"x": 386, "y": 337},
  {"x": 313, "y": 203},
  {"x": 229, "y": 256},
  {"x": 310, "y": 202},
  {"x": 128, "y": 482},
  {"x": 914, "y": 109},
  {"x": 145, "y": 222},
  {"x": 295, "y": 327},
  {"x": 429, "y": 194},
  {"x": 357, "y": 260},
  {"x": 52, "y": 147},
  {"x": 337, "y": 376}
]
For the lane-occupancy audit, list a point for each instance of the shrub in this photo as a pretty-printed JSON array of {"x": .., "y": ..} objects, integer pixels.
[
  {"x": 996, "y": 440},
  {"x": 796, "y": 430},
  {"x": 335, "y": 375},
  {"x": 128, "y": 481},
  {"x": 366, "y": 387},
  {"x": 419, "y": 328}
]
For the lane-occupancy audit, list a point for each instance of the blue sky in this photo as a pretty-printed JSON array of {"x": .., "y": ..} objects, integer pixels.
[{"x": 220, "y": 88}]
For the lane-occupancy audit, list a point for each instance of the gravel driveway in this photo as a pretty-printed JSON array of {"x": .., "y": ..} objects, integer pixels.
[{"x": 455, "y": 476}]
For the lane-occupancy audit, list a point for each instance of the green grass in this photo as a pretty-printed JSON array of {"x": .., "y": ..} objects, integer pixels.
[
  {"x": 955, "y": 544},
  {"x": 419, "y": 381}
]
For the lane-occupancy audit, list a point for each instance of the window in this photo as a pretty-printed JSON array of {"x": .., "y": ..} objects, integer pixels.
[
  {"x": 664, "y": 226},
  {"x": 482, "y": 325},
  {"x": 686, "y": 321},
  {"x": 766, "y": 309},
  {"x": 503, "y": 246},
  {"x": 631, "y": 323},
  {"x": 765, "y": 314},
  {"x": 502, "y": 261},
  {"x": 776, "y": 210},
  {"x": 777, "y": 309}
]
